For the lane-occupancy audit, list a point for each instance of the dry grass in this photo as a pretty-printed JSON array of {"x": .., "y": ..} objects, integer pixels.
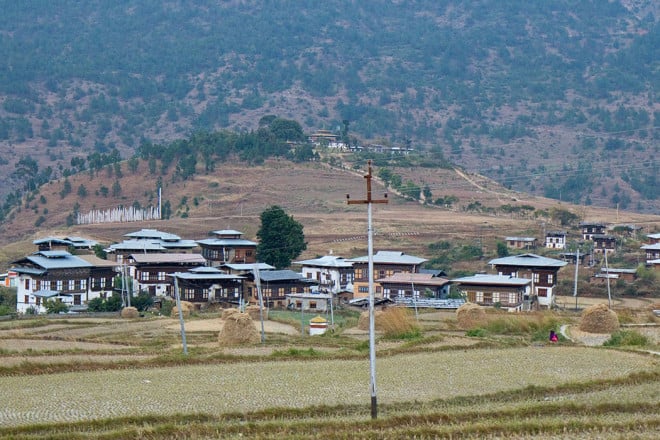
[{"x": 599, "y": 319}]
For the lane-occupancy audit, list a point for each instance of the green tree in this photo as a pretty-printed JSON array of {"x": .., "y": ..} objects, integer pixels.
[
  {"x": 281, "y": 238},
  {"x": 502, "y": 249},
  {"x": 82, "y": 191},
  {"x": 54, "y": 307},
  {"x": 116, "y": 189}
]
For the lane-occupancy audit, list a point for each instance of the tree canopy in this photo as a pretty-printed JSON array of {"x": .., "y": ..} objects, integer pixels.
[{"x": 281, "y": 238}]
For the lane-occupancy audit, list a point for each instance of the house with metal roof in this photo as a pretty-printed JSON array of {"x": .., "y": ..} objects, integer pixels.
[
  {"x": 520, "y": 242},
  {"x": 502, "y": 291},
  {"x": 228, "y": 246},
  {"x": 408, "y": 285},
  {"x": 589, "y": 229},
  {"x": 385, "y": 264},
  {"x": 148, "y": 241},
  {"x": 207, "y": 285},
  {"x": 275, "y": 285},
  {"x": 652, "y": 252},
  {"x": 555, "y": 239},
  {"x": 541, "y": 270},
  {"x": 55, "y": 243},
  {"x": 58, "y": 276},
  {"x": 150, "y": 271},
  {"x": 332, "y": 274}
]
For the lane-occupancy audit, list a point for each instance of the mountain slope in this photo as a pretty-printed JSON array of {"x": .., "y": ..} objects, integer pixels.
[{"x": 555, "y": 98}]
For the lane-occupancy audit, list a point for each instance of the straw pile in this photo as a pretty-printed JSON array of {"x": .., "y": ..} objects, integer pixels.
[
  {"x": 239, "y": 329},
  {"x": 599, "y": 319},
  {"x": 226, "y": 313},
  {"x": 363, "y": 321},
  {"x": 253, "y": 311},
  {"x": 129, "y": 313},
  {"x": 470, "y": 316},
  {"x": 186, "y": 309}
]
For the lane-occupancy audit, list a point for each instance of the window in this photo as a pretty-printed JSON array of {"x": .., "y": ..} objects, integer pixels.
[
  {"x": 268, "y": 292},
  {"x": 496, "y": 297},
  {"x": 144, "y": 276},
  {"x": 479, "y": 297},
  {"x": 76, "y": 300},
  {"x": 359, "y": 274},
  {"x": 312, "y": 304},
  {"x": 512, "y": 298},
  {"x": 280, "y": 291},
  {"x": 550, "y": 278},
  {"x": 161, "y": 276},
  {"x": 363, "y": 289},
  {"x": 535, "y": 277},
  {"x": 59, "y": 285},
  {"x": 27, "y": 284},
  {"x": 70, "y": 286},
  {"x": 26, "y": 299}
]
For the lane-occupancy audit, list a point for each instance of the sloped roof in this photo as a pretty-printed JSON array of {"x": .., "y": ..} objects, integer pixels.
[
  {"x": 492, "y": 280},
  {"x": 168, "y": 258},
  {"x": 226, "y": 242},
  {"x": 136, "y": 245},
  {"x": 227, "y": 232},
  {"x": 326, "y": 261},
  {"x": 153, "y": 234},
  {"x": 248, "y": 266},
  {"x": 53, "y": 260},
  {"x": 217, "y": 276},
  {"x": 519, "y": 238},
  {"x": 98, "y": 262},
  {"x": 282, "y": 275},
  {"x": 654, "y": 246},
  {"x": 426, "y": 279},
  {"x": 528, "y": 260},
  {"x": 390, "y": 257}
]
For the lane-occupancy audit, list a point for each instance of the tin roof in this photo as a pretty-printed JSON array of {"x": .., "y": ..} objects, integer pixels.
[
  {"x": 493, "y": 280},
  {"x": 168, "y": 258},
  {"x": 153, "y": 234},
  {"x": 390, "y": 257},
  {"x": 326, "y": 261},
  {"x": 528, "y": 260},
  {"x": 414, "y": 278},
  {"x": 226, "y": 242}
]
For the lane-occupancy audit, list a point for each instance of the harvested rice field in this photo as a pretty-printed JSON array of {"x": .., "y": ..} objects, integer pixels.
[{"x": 113, "y": 378}]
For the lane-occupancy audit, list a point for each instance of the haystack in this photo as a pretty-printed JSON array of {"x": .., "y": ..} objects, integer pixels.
[
  {"x": 470, "y": 316},
  {"x": 130, "y": 313},
  {"x": 363, "y": 321},
  {"x": 599, "y": 319},
  {"x": 239, "y": 329},
  {"x": 253, "y": 311},
  {"x": 186, "y": 309},
  {"x": 226, "y": 313}
]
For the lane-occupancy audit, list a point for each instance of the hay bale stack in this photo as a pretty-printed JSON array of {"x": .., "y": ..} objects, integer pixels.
[
  {"x": 599, "y": 319},
  {"x": 226, "y": 313},
  {"x": 470, "y": 316},
  {"x": 253, "y": 311},
  {"x": 129, "y": 313},
  {"x": 186, "y": 309},
  {"x": 363, "y": 321},
  {"x": 239, "y": 329}
]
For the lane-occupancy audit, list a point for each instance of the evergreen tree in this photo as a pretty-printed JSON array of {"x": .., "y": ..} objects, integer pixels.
[{"x": 281, "y": 238}]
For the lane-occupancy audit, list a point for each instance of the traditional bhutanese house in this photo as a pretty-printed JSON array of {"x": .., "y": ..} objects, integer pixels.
[
  {"x": 652, "y": 252},
  {"x": 314, "y": 302},
  {"x": 541, "y": 270},
  {"x": 414, "y": 285},
  {"x": 385, "y": 264},
  {"x": 655, "y": 264},
  {"x": 570, "y": 257},
  {"x": 55, "y": 275},
  {"x": 320, "y": 137},
  {"x": 101, "y": 275},
  {"x": 331, "y": 273},
  {"x": 589, "y": 229},
  {"x": 245, "y": 268},
  {"x": 507, "y": 292},
  {"x": 555, "y": 240},
  {"x": 276, "y": 285},
  {"x": 653, "y": 238},
  {"x": 228, "y": 246},
  {"x": 614, "y": 274},
  {"x": 150, "y": 271},
  {"x": 604, "y": 243},
  {"x": 149, "y": 241},
  {"x": 79, "y": 244},
  {"x": 520, "y": 242},
  {"x": 207, "y": 285}
]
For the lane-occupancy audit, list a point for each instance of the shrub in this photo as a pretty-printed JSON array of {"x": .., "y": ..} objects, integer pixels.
[
  {"x": 53, "y": 306},
  {"x": 626, "y": 338},
  {"x": 476, "y": 333}
]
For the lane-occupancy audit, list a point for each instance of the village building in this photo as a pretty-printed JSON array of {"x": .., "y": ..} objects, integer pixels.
[
  {"x": 520, "y": 242},
  {"x": 652, "y": 252},
  {"x": 614, "y": 274},
  {"x": 555, "y": 240},
  {"x": 402, "y": 285},
  {"x": 309, "y": 302},
  {"x": 331, "y": 273},
  {"x": 604, "y": 243},
  {"x": 589, "y": 229},
  {"x": 148, "y": 241},
  {"x": 205, "y": 285},
  {"x": 59, "y": 276},
  {"x": 275, "y": 285},
  {"x": 228, "y": 246},
  {"x": 541, "y": 270},
  {"x": 654, "y": 238},
  {"x": 150, "y": 271},
  {"x": 571, "y": 257},
  {"x": 501, "y": 291},
  {"x": 77, "y": 244},
  {"x": 385, "y": 264}
]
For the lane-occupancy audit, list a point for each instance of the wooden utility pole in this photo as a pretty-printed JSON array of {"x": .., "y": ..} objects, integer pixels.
[{"x": 372, "y": 323}]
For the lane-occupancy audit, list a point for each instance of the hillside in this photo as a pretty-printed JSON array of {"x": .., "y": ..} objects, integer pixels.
[
  {"x": 235, "y": 194},
  {"x": 552, "y": 98}
]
